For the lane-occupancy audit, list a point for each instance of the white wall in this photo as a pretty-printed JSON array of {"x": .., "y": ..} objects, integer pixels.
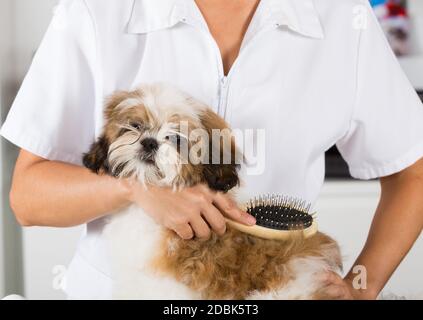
[
  {"x": 416, "y": 15},
  {"x": 415, "y": 5},
  {"x": 345, "y": 211},
  {"x": 10, "y": 240},
  {"x": 413, "y": 64},
  {"x": 46, "y": 252},
  {"x": 5, "y": 35},
  {"x": 32, "y": 18}
]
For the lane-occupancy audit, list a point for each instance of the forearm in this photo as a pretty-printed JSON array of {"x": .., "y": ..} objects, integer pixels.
[
  {"x": 397, "y": 224},
  {"x": 49, "y": 193}
]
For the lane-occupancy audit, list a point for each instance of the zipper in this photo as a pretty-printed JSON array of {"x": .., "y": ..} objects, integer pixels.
[
  {"x": 224, "y": 87},
  {"x": 223, "y": 96},
  {"x": 225, "y": 79}
]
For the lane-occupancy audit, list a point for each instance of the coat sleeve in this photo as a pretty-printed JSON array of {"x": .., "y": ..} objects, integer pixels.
[{"x": 386, "y": 132}]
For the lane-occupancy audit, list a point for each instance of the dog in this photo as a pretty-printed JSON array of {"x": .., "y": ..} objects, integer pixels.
[{"x": 144, "y": 134}]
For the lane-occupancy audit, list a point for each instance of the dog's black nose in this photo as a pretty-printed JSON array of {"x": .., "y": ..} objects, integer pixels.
[{"x": 150, "y": 144}]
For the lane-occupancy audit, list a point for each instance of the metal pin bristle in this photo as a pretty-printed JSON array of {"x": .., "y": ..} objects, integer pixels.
[
  {"x": 280, "y": 212},
  {"x": 279, "y": 200}
]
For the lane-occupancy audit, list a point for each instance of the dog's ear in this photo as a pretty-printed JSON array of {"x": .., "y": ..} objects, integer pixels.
[
  {"x": 221, "y": 178},
  {"x": 96, "y": 158},
  {"x": 221, "y": 171}
]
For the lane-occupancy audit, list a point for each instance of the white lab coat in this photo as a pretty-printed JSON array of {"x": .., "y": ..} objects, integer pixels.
[{"x": 311, "y": 74}]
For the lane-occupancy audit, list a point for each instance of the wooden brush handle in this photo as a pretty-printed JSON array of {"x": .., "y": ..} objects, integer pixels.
[{"x": 272, "y": 234}]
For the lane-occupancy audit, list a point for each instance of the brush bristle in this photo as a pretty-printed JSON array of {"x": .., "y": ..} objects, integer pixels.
[{"x": 280, "y": 212}]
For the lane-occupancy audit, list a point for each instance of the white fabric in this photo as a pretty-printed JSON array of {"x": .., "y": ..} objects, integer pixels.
[{"x": 307, "y": 74}]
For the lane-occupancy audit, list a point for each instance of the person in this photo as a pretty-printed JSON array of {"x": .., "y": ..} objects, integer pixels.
[{"x": 311, "y": 74}]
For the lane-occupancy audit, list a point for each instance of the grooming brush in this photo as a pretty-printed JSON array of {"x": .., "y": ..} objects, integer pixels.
[{"x": 278, "y": 218}]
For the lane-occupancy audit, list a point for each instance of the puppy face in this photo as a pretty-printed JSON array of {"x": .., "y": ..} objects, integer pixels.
[{"x": 164, "y": 137}]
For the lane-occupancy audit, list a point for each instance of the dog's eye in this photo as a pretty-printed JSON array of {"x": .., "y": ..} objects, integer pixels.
[
  {"x": 136, "y": 125},
  {"x": 174, "y": 139}
]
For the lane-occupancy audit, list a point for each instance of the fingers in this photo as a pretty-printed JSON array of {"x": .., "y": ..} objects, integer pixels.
[
  {"x": 215, "y": 219},
  {"x": 184, "y": 231},
  {"x": 334, "y": 286},
  {"x": 209, "y": 213},
  {"x": 200, "y": 228},
  {"x": 203, "y": 210},
  {"x": 336, "y": 292},
  {"x": 331, "y": 277},
  {"x": 229, "y": 208},
  {"x": 197, "y": 215}
]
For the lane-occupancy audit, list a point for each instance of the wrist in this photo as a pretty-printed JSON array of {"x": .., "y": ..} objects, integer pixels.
[
  {"x": 127, "y": 188},
  {"x": 360, "y": 292}
]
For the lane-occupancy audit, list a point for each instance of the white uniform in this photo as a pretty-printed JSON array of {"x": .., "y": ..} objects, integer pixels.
[{"x": 311, "y": 73}]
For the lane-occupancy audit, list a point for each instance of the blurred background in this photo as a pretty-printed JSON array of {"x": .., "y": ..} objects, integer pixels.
[{"x": 32, "y": 260}]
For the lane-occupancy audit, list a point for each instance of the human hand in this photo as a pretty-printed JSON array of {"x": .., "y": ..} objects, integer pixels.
[
  {"x": 190, "y": 212},
  {"x": 337, "y": 288}
]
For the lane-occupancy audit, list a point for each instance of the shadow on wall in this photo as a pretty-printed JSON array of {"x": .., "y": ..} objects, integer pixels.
[{"x": 11, "y": 231}]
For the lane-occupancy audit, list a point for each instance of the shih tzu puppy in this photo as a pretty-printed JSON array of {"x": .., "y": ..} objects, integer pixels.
[{"x": 156, "y": 134}]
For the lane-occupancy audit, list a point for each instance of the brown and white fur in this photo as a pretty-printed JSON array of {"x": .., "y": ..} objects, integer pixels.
[{"x": 150, "y": 262}]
